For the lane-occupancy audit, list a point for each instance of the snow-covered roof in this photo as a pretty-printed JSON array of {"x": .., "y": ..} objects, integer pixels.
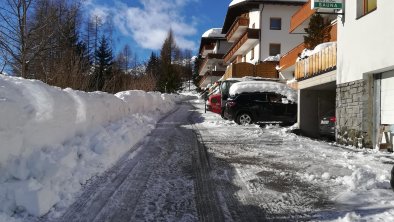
[
  {"x": 264, "y": 86},
  {"x": 212, "y": 33},
  {"x": 234, "y": 2}
]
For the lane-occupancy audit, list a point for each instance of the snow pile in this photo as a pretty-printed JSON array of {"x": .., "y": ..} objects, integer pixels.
[
  {"x": 54, "y": 140},
  {"x": 272, "y": 58},
  {"x": 307, "y": 52},
  {"x": 264, "y": 86},
  {"x": 214, "y": 32}
]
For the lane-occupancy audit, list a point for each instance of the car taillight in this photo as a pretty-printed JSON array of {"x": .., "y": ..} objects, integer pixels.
[
  {"x": 230, "y": 103},
  {"x": 333, "y": 119}
]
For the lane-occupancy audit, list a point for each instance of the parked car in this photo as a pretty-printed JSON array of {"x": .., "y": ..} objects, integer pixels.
[
  {"x": 214, "y": 103},
  {"x": 226, "y": 84},
  {"x": 392, "y": 178},
  {"x": 327, "y": 124},
  {"x": 268, "y": 107}
]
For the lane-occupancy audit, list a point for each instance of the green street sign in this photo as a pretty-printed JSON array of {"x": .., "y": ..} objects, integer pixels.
[{"x": 327, "y": 4}]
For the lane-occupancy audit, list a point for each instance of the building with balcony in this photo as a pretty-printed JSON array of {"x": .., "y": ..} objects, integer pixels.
[
  {"x": 258, "y": 32},
  {"x": 365, "y": 74},
  {"x": 313, "y": 72},
  {"x": 213, "y": 46}
]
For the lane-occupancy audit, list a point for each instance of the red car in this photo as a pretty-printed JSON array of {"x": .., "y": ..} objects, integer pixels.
[{"x": 214, "y": 103}]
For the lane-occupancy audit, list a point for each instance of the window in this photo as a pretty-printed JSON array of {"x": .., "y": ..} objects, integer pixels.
[
  {"x": 274, "y": 49},
  {"x": 252, "y": 54},
  {"x": 275, "y": 23},
  {"x": 365, "y": 6}
]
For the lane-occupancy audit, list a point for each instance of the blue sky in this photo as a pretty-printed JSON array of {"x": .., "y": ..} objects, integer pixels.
[{"x": 144, "y": 24}]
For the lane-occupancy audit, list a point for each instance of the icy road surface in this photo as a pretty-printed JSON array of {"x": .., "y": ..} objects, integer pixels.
[{"x": 197, "y": 167}]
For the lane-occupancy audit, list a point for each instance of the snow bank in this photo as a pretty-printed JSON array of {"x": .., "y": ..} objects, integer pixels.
[
  {"x": 272, "y": 58},
  {"x": 264, "y": 86},
  {"x": 54, "y": 140}
]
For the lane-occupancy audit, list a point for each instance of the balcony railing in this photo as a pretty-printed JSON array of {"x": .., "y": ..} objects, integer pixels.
[
  {"x": 290, "y": 57},
  {"x": 249, "y": 34},
  {"x": 264, "y": 70},
  {"x": 318, "y": 63},
  {"x": 235, "y": 27},
  {"x": 210, "y": 57},
  {"x": 207, "y": 49},
  {"x": 301, "y": 15}
]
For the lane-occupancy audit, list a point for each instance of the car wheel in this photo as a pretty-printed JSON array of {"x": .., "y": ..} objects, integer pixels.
[
  {"x": 392, "y": 178},
  {"x": 244, "y": 118}
]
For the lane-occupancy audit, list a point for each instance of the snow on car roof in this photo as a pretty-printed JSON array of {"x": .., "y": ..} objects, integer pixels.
[{"x": 264, "y": 86}]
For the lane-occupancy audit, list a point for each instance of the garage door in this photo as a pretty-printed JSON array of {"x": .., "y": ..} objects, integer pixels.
[{"x": 387, "y": 98}]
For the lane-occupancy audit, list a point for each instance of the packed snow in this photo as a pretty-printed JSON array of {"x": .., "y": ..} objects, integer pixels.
[
  {"x": 53, "y": 141},
  {"x": 213, "y": 33},
  {"x": 356, "y": 180},
  {"x": 264, "y": 86}
]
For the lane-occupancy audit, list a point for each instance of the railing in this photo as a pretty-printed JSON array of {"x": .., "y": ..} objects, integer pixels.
[
  {"x": 240, "y": 21},
  {"x": 265, "y": 70},
  {"x": 301, "y": 15},
  {"x": 290, "y": 57},
  {"x": 209, "y": 47},
  {"x": 318, "y": 63},
  {"x": 209, "y": 57},
  {"x": 249, "y": 34}
]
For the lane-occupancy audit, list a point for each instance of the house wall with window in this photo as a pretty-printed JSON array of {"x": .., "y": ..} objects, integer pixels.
[
  {"x": 365, "y": 67},
  {"x": 272, "y": 34}
]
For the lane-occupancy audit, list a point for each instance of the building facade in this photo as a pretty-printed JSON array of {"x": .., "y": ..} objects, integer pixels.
[{"x": 365, "y": 76}]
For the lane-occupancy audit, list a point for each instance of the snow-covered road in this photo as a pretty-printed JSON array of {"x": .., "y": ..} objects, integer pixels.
[
  {"x": 271, "y": 174},
  {"x": 196, "y": 166}
]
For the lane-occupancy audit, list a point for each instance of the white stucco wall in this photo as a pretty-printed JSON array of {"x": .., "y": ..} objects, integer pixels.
[
  {"x": 249, "y": 54},
  {"x": 365, "y": 45},
  {"x": 287, "y": 41},
  {"x": 254, "y": 18}
]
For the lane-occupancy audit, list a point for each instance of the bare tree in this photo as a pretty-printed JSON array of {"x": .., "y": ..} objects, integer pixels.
[{"x": 17, "y": 33}]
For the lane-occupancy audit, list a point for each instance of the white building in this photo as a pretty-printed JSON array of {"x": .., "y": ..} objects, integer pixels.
[
  {"x": 259, "y": 30},
  {"x": 365, "y": 71}
]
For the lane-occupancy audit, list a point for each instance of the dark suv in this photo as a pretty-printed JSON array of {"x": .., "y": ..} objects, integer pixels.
[{"x": 266, "y": 107}]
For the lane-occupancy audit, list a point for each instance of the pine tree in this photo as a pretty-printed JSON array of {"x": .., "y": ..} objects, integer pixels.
[
  {"x": 153, "y": 65},
  {"x": 169, "y": 80},
  {"x": 103, "y": 66},
  {"x": 318, "y": 31}
]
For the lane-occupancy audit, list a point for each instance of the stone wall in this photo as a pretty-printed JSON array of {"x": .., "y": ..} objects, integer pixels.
[{"x": 353, "y": 112}]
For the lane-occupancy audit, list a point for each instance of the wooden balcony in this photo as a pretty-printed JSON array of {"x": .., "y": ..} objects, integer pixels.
[
  {"x": 319, "y": 63},
  {"x": 289, "y": 59},
  {"x": 210, "y": 78},
  {"x": 301, "y": 17},
  {"x": 207, "y": 49},
  {"x": 237, "y": 29},
  {"x": 264, "y": 70},
  {"x": 210, "y": 59},
  {"x": 250, "y": 37}
]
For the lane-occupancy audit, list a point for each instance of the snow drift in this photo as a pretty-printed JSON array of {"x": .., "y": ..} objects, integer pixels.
[
  {"x": 264, "y": 86},
  {"x": 54, "y": 140}
]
